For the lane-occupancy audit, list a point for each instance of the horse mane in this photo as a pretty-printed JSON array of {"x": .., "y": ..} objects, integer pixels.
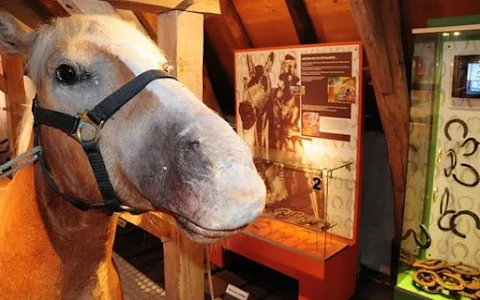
[{"x": 25, "y": 131}]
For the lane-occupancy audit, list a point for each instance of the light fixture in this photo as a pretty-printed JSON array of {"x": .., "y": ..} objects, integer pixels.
[
  {"x": 445, "y": 34},
  {"x": 456, "y": 33}
]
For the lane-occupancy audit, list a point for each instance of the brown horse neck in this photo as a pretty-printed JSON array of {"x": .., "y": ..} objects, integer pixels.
[{"x": 57, "y": 251}]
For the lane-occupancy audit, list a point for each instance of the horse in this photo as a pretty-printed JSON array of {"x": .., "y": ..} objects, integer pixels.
[{"x": 157, "y": 148}]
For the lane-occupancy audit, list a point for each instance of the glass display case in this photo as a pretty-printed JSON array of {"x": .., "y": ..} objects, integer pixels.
[
  {"x": 299, "y": 109},
  {"x": 299, "y": 194},
  {"x": 440, "y": 250}
]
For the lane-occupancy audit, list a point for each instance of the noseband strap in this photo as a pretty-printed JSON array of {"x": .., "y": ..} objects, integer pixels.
[{"x": 73, "y": 125}]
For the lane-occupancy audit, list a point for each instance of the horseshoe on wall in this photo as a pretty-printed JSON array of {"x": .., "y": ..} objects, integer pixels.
[
  {"x": 475, "y": 172},
  {"x": 475, "y": 145},
  {"x": 418, "y": 241},
  {"x": 453, "y": 226},
  {"x": 450, "y": 122}
]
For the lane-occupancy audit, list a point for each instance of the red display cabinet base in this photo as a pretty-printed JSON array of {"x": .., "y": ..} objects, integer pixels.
[{"x": 332, "y": 279}]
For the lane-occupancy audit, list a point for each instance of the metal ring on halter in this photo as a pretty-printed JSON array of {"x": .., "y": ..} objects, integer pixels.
[
  {"x": 475, "y": 145},
  {"x": 474, "y": 171},
  {"x": 459, "y": 121},
  {"x": 84, "y": 120}
]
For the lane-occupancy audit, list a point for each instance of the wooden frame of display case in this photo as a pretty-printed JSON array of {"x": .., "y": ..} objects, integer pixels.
[{"x": 333, "y": 277}]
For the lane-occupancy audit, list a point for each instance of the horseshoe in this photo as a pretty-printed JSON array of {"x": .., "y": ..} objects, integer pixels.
[
  {"x": 450, "y": 122},
  {"x": 453, "y": 163},
  {"x": 453, "y": 226},
  {"x": 464, "y": 269},
  {"x": 431, "y": 264},
  {"x": 418, "y": 241},
  {"x": 472, "y": 283},
  {"x": 445, "y": 202},
  {"x": 425, "y": 277},
  {"x": 475, "y": 172},
  {"x": 439, "y": 222},
  {"x": 451, "y": 282},
  {"x": 435, "y": 290},
  {"x": 475, "y": 145}
]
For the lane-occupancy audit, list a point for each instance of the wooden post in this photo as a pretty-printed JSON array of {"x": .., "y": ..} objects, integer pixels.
[
  {"x": 379, "y": 26},
  {"x": 180, "y": 35},
  {"x": 15, "y": 97}
]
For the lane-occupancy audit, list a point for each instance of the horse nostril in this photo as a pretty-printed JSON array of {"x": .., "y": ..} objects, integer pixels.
[{"x": 193, "y": 146}]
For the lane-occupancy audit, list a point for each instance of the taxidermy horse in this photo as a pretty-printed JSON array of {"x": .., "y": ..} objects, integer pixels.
[{"x": 144, "y": 144}]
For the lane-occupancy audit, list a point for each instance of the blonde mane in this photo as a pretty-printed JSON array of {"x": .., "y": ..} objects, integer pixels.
[{"x": 25, "y": 132}]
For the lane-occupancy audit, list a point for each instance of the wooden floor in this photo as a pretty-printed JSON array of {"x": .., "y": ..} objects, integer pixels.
[{"x": 145, "y": 252}]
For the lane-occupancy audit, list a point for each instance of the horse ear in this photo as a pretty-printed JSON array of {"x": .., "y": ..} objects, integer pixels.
[
  {"x": 15, "y": 36},
  {"x": 268, "y": 63},
  {"x": 251, "y": 66}
]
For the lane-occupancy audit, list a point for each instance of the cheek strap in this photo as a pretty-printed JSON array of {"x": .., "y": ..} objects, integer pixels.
[{"x": 96, "y": 117}]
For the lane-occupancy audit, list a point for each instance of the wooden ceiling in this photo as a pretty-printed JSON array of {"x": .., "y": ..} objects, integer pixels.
[{"x": 264, "y": 23}]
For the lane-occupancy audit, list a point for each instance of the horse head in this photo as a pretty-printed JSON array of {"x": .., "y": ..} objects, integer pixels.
[{"x": 163, "y": 151}]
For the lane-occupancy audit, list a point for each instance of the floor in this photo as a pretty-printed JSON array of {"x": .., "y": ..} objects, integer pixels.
[{"x": 145, "y": 252}]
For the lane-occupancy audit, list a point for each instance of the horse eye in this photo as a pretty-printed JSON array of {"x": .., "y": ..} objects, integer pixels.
[{"x": 66, "y": 74}]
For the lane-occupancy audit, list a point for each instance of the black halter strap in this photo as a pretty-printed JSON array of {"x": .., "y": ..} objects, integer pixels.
[{"x": 72, "y": 125}]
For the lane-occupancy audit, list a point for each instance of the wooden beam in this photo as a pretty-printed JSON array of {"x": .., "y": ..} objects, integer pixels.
[
  {"x": 378, "y": 24},
  {"x": 52, "y": 8},
  {"x": 15, "y": 97},
  {"x": 91, "y": 7},
  {"x": 221, "y": 80},
  {"x": 230, "y": 22},
  {"x": 3, "y": 85},
  {"x": 208, "y": 94},
  {"x": 149, "y": 22},
  {"x": 180, "y": 35},
  {"x": 159, "y": 6},
  {"x": 370, "y": 27},
  {"x": 303, "y": 23},
  {"x": 88, "y": 7},
  {"x": 223, "y": 34}
]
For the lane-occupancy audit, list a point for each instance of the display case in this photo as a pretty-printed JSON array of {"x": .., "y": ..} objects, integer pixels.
[
  {"x": 300, "y": 110},
  {"x": 440, "y": 250},
  {"x": 299, "y": 193}
]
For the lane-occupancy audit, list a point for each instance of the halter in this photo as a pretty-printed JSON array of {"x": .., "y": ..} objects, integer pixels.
[{"x": 96, "y": 118}]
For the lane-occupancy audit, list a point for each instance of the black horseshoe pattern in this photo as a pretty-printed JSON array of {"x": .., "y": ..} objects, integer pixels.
[
  {"x": 450, "y": 170},
  {"x": 418, "y": 240},
  {"x": 452, "y": 224}
]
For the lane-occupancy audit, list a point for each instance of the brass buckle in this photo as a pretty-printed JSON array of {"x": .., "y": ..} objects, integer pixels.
[{"x": 84, "y": 120}]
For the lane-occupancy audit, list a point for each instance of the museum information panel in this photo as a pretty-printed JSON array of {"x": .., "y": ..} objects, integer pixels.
[{"x": 297, "y": 108}]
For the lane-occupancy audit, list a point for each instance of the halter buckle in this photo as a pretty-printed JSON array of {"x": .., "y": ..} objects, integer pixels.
[{"x": 84, "y": 120}]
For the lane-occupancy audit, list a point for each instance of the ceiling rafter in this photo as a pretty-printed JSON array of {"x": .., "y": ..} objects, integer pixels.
[
  {"x": 156, "y": 6},
  {"x": 302, "y": 21}
]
